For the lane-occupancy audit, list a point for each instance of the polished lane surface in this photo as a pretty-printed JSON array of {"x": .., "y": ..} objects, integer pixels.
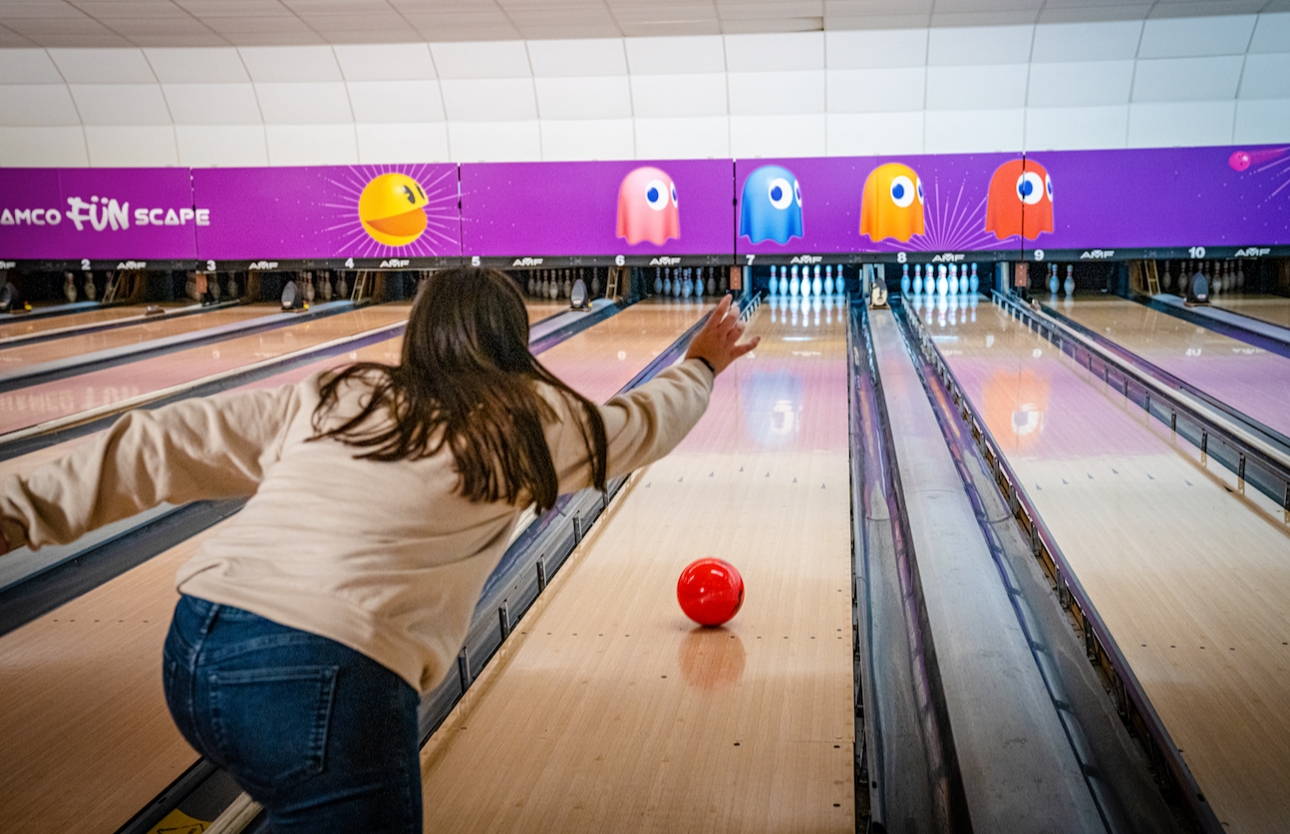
[
  {"x": 1190, "y": 575},
  {"x": 40, "y": 403},
  {"x": 156, "y": 327},
  {"x": 1274, "y": 309},
  {"x": 608, "y": 710},
  {"x": 15, "y": 326},
  {"x": 80, "y": 688},
  {"x": 1247, "y": 378}
]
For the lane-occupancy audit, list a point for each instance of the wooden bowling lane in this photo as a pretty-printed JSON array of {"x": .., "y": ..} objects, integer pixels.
[
  {"x": 157, "y": 327},
  {"x": 608, "y": 710},
  {"x": 1247, "y": 378},
  {"x": 17, "y": 326},
  {"x": 1273, "y": 309},
  {"x": 539, "y": 310},
  {"x": 47, "y": 401},
  {"x": 1191, "y": 576},
  {"x": 63, "y": 673}
]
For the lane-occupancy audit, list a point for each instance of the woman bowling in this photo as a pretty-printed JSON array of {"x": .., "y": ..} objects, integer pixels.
[{"x": 309, "y": 626}]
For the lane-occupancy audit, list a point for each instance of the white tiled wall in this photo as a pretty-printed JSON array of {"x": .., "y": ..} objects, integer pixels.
[{"x": 1131, "y": 83}]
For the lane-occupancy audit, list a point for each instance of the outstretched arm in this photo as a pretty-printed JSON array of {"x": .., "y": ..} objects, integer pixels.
[{"x": 217, "y": 447}]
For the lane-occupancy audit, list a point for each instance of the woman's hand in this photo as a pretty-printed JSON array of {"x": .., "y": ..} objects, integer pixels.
[{"x": 717, "y": 342}]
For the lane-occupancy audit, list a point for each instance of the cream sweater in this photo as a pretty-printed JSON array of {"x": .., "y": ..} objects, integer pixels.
[{"x": 385, "y": 558}]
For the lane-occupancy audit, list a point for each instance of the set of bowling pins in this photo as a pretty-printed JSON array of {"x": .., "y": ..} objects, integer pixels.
[
  {"x": 947, "y": 310},
  {"x": 69, "y": 287},
  {"x": 789, "y": 282},
  {"x": 552, "y": 283},
  {"x": 1224, "y": 276},
  {"x": 1067, "y": 286},
  {"x": 803, "y": 310},
  {"x": 941, "y": 279},
  {"x": 684, "y": 282}
]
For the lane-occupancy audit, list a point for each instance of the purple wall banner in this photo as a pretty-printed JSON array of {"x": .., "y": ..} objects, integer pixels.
[
  {"x": 390, "y": 213},
  {"x": 98, "y": 214},
  {"x": 638, "y": 210},
  {"x": 918, "y": 205}
]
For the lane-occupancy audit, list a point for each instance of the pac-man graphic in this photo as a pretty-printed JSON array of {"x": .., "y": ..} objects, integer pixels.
[
  {"x": 1020, "y": 200},
  {"x": 647, "y": 207},
  {"x": 772, "y": 205},
  {"x": 392, "y": 209},
  {"x": 892, "y": 203}
]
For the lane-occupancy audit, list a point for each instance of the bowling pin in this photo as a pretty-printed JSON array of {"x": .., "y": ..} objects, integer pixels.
[
  {"x": 69, "y": 286},
  {"x": 918, "y": 279},
  {"x": 567, "y": 289},
  {"x": 310, "y": 292},
  {"x": 342, "y": 287},
  {"x": 828, "y": 279},
  {"x": 954, "y": 279},
  {"x": 1240, "y": 275},
  {"x": 324, "y": 285},
  {"x": 794, "y": 285},
  {"x": 677, "y": 276},
  {"x": 817, "y": 283},
  {"x": 974, "y": 283},
  {"x": 687, "y": 286},
  {"x": 1053, "y": 280},
  {"x": 1069, "y": 284},
  {"x": 942, "y": 282},
  {"x": 904, "y": 280},
  {"x": 232, "y": 289}
]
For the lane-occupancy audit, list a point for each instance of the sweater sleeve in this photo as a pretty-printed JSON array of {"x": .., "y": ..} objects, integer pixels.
[
  {"x": 217, "y": 447},
  {"x": 641, "y": 425}
]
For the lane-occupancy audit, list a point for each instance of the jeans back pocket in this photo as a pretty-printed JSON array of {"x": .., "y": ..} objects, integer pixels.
[{"x": 270, "y": 725}]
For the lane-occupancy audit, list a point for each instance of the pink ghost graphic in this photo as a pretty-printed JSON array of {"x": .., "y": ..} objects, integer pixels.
[{"x": 647, "y": 207}]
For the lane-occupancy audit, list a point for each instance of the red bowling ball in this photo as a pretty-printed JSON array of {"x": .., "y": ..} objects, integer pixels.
[{"x": 710, "y": 591}]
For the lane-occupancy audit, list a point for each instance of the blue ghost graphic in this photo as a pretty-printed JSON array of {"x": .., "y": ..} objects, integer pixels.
[{"x": 772, "y": 205}]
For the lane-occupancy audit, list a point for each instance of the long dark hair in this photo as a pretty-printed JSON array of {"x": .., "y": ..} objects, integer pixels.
[{"x": 468, "y": 381}]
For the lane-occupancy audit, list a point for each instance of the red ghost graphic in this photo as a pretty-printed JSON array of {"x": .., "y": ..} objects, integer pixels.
[{"x": 1020, "y": 201}]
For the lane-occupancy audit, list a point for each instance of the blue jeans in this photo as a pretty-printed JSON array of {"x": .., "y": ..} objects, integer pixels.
[{"x": 321, "y": 735}]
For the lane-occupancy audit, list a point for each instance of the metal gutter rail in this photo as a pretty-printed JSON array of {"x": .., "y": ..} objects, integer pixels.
[
  {"x": 1262, "y": 467},
  {"x": 1100, "y": 646}
]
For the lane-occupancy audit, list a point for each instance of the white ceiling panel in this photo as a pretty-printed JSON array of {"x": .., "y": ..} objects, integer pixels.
[
  {"x": 578, "y": 58},
  {"x": 37, "y": 105},
  {"x": 224, "y": 146},
  {"x": 43, "y": 147},
  {"x": 973, "y": 131},
  {"x": 1076, "y": 128},
  {"x": 291, "y": 63},
  {"x": 385, "y": 62},
  {"x": 498, "y": 59},
  {"x": 131, "y": 147},
  {"x": 860, "y": 134},
  {"x": 1261, "y": 122},
  {"x": 1065, "y": 42},
  {"x": 687, "y": 28},
  {"x": 120, "y": 104},
  {"x": 999, "y": 87},
  {"x": 665, "y": 14},
  {"x": 1271, "y": 34},
  {"x": 274, "y": 31},
  {"x": 774, "y": 9},
  {"x": 495, "y": 142},
  {"x": 693, "y": 138},
  {"x": 1094, "y": 14},
  {"x": 1177, "y": 124},
  {"x": 1082, "y": 84},
  {"x": 396, "y": 102},
  {"x": 761, "y": 136},
  {"x": 212, "y": 104},
  {"x": 602, "y": 139},
  {"x": 338, "y": 26},
  {"x": 391, "y": 143},
  {"x": 311, "y": 144},
  {"x": 103, "y": 66},
  {"x": 1187, "y": 37},
  {"x": 765, "y": 53},
  {"x": 876, "y": 90},
  {"x": 979, "y": 45},
  {"x": 206, "y": 9},
  {"x": 979, "y": 19},
  {"x": 662, "y": 56},
  {"x": 886, "y": 48},
  {"x": 679, "y": 96},
  {"x": 28, "y": 66},
  {"x": 489, "y": 99},
  {"x": 1187, "y": 79},
  {"x": 1266, "y": 76},
  {"x": 770, "y": 93},
  {"x": 584, "y": 98},
  {"x": 812, "y": 25},
  {"x": 876, "y": 22},
  {"x": 192, "y": 66},
  {"x": 304, "y": 103}
]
